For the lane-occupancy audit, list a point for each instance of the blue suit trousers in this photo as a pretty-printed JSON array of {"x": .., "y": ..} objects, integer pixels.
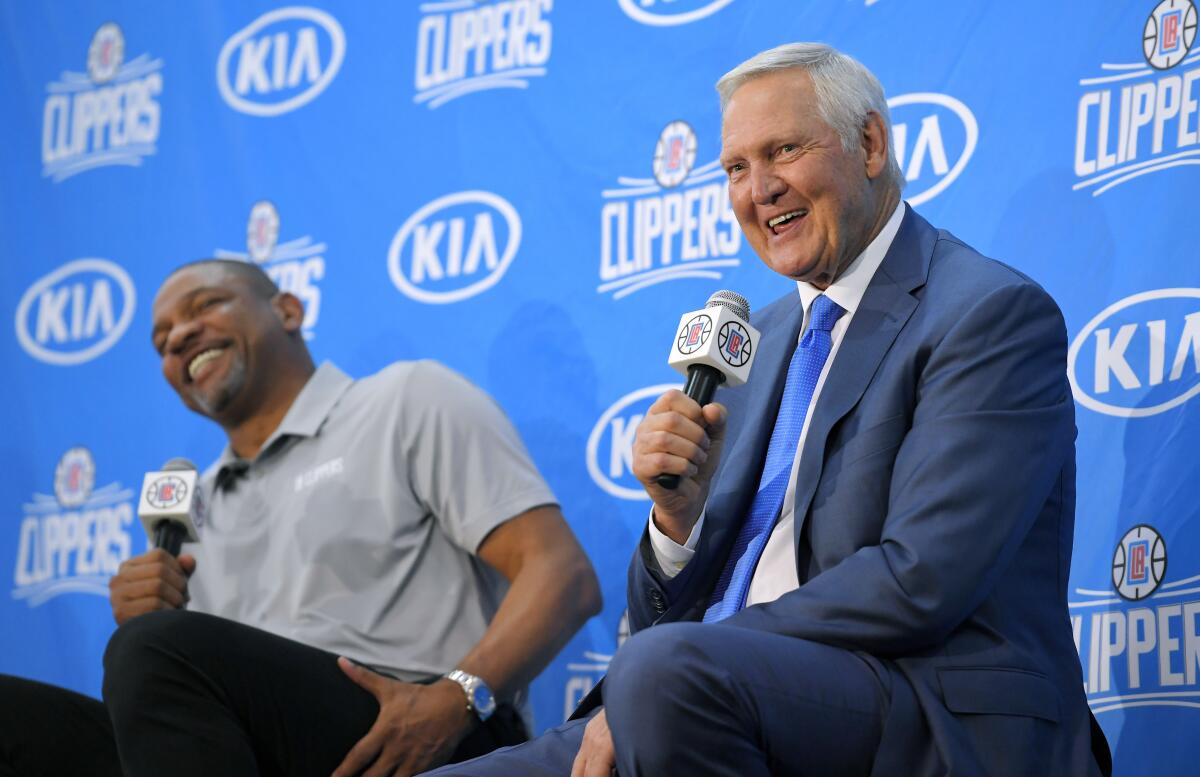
[{"x": 711, "y": 699}]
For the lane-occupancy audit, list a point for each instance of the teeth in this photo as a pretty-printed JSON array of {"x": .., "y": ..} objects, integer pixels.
[
  {"x": 203, "y": 359},
  {"x": 785, "y": 217}
]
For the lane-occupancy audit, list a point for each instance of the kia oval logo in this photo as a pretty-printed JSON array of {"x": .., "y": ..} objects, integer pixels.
[
  {"x": 75, "y": 313},
  {"x": 933, "y": 138},
  {"x": 455, "y": 247},
  {"x": 1140, "y": 356},
  {"x": 280, "y": 61},
  {"x": 610, "y": 445},
  {"x": 653, "y": 13}
]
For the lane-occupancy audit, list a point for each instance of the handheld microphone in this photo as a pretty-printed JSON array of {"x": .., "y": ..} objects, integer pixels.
[
  {"x": 714, "y": 345},
  {"x": 171, "y": 507}
]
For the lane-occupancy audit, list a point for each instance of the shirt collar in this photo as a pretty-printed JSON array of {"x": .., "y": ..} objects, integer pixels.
[
  {"x": 304, "y": 418},
  {"x": 848, "y": 290}
]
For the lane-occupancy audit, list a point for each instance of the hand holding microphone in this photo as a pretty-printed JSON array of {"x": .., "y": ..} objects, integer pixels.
[
  {"x": 708, "y": 360},
  {"x": 678, "y": 443},
  {"x": 171, "y": 512}
]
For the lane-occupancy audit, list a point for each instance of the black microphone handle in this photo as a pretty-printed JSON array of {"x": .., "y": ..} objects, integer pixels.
[
  {"x": 169, "y": 536},
  {"x": 702, "y": 382}
]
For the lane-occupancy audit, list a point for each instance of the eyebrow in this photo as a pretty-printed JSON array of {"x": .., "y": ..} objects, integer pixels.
[{"x": 185, "y": 299}]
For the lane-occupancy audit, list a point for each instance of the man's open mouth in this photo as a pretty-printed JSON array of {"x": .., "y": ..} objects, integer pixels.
[{"x": 785, "y": 218}]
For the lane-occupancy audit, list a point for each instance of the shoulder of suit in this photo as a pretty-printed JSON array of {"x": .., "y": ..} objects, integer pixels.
[{"x": 970, "y": 273}]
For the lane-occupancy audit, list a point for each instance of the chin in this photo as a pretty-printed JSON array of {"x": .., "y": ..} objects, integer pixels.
[{"x": 214, "y": 403}]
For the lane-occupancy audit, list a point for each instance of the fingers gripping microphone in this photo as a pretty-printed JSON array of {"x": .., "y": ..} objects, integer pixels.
[
  {"x": 171, "y": 508},
  {"x": 714, "y": 345}
]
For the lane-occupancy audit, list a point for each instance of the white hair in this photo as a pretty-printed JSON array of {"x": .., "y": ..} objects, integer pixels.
[{"x": 846, "y": 91}]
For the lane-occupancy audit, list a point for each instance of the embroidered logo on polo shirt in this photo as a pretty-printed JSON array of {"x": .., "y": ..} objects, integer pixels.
[{"x": 319, "y": 473}]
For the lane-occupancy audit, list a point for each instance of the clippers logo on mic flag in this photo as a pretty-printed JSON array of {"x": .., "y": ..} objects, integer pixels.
[
  {"x": 731, "y": 352},
  {"x": 694, "y": 334},
  {"x": 166, "y": 491},
  {"x": 735, "y": 344},
  {"x": 172, "y": 495}
]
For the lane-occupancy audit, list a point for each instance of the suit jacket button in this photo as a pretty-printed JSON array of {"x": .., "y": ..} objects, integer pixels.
[{"x": 656, "y": 599}]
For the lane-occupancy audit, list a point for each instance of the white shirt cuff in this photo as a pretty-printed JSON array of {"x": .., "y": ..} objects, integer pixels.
[{"x": 670, "y": 555}]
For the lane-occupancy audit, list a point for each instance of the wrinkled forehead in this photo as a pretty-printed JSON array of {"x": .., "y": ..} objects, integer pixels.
[{"x": 769, "y": 101}]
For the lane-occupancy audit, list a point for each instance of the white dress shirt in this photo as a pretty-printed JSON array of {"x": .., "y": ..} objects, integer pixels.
[{"x": 775, "y": 574}]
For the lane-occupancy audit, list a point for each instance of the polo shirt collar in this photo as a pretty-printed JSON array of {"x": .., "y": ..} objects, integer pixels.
[
  {"x": 304, "y": 418},
  {"x": 848, "y": 290}
]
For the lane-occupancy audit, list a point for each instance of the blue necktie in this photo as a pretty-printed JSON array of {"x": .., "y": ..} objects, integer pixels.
[{"x": 807, "y": 362}]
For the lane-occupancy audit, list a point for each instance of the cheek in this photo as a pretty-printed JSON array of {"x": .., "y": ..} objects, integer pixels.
[{"x": 743, "y": 208}]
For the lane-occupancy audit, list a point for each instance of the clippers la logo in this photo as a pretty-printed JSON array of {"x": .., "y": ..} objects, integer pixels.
[
  {"x": 1169, "y": 33},
  {"x": 1139, "y": 643},
  {"x": 1139, "y": 356},
  {"x": 669, "y": 13},
  {"x": 74, "y": 477},
  {"x": 610, "y": 445},
  {"x": 455, "y": 247},
  {"x": 74, "y": 541},
  {"x": 296, "y": 266},
  {"x": 466, "y": 46},
  {"x": 734, "y": 342},
  {"x": 75, "y": 313},
  {"x": 1139, "y": 563},
  {"x": 678, "y": 224},
  {"x": 1141, "y": 117},
  {"x": 674, "y": 154},
  {"x": 106, "y": 116},
  {"x": 166, "y": 492},
  {"x": 694, "y": 334},
  {"x": 934, "y": 136},
  {"x": 281, "y": 61}
]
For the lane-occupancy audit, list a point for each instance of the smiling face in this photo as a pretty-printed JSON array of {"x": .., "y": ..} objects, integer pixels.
[
  {"x": 217, "y": 335},
  {"x": 807, "y": 206}
]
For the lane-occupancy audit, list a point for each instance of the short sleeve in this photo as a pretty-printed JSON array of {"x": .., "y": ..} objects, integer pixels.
[{"x": 466, "y": 462}]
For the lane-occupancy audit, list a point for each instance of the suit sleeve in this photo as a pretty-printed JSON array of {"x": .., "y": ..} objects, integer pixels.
[{"x": 992, "y": 429}]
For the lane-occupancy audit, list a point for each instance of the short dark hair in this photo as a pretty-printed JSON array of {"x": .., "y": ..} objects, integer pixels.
[{"x": 257, "y": 280}]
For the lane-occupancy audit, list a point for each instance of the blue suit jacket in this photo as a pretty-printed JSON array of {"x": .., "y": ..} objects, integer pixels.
[{"x": 934, "y": 511}]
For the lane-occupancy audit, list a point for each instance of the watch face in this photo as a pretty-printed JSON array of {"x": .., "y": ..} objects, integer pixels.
[{"x": 485, "y": 703}]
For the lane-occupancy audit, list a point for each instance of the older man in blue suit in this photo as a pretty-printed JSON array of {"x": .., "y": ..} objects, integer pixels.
[{"x": 864, "y": 567}]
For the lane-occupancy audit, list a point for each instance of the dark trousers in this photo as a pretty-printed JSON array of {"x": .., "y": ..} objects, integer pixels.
[
  {"x": 47, "y": 731},
  {"x": 192, "y": 694},
  {"x": 707, "y": 699}
]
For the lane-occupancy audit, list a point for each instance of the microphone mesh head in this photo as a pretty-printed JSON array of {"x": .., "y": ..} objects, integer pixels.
[
  {"x": 736, "y": 303},
  {"x": 178, "y": 463}
]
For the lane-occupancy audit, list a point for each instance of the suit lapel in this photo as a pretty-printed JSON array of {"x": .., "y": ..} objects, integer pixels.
[{"x": 885, "y": 308}]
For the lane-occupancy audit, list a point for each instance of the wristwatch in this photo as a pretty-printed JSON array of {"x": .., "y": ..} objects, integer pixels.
[{"x": 480, "y": 699}]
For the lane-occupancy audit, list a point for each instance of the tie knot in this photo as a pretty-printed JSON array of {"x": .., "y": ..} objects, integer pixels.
[{"x": 825, "y": 313}]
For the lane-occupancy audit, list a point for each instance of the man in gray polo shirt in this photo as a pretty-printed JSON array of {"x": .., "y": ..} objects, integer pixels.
[{"x": 382, "y": 554}]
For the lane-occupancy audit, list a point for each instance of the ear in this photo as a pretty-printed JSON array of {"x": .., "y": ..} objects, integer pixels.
[
  {"x": 875, "y": 144},
  {"x": 289, "y": 310}
]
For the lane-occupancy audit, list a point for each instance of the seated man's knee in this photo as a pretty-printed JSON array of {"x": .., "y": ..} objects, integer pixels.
[
  {"x": 664, "y": 660},
  {"x": 137, "y": 648},
  {"x": 133, "y": 640}
]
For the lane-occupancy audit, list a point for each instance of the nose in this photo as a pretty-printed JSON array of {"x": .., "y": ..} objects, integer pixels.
[
  {"x": 765, "y": 186},
  {"x": 182, "y": 334}
]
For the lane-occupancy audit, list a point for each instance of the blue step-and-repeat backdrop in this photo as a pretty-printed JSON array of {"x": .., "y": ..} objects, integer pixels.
[{"x": 529, "y": 191}]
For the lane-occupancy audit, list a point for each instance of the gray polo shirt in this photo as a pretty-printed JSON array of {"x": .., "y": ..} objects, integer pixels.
[{"x": 354, "y": 529}]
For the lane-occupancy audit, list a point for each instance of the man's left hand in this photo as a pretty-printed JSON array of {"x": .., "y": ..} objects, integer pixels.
[
  {"x": 596, "y": 756},
  {"x": 418, "y": 725}
]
